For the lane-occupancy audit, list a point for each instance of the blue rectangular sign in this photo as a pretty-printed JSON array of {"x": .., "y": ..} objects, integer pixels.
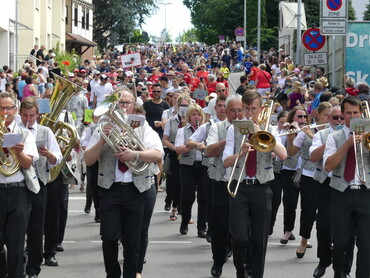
[{"x": 358, "y": 51}]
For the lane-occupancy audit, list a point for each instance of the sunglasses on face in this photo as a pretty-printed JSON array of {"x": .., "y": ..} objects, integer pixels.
[
  {"x": 337, "y": 117},
  {"x": 302, "y": 116},
  {"x": 157, "y": 91}
]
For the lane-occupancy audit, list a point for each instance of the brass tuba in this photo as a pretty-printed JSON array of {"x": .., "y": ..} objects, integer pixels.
[
  {"x": 65, "y": 133},
  {"x": 8, "y": 162},
  {"x": 121, "y": 134}
]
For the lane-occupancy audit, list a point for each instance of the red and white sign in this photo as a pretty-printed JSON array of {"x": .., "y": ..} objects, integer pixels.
[
  {"x": 131, "y": 60},
  {"x": 334, "y": 8},
  {"x": 313, "y": 40},
  {"x": 239, "y": 31}
]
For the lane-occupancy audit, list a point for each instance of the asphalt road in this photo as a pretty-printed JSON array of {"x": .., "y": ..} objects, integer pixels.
[{"x": 169, "y": 253}]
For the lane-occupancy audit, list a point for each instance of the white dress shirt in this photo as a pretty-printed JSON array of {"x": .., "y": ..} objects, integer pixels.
[
  {"x": 331, "y": 148},
  {"x": 316, "y": 143},
  {"x": 298, "y": 142},
  {"x": 151, "y": 141},
  {"x": 29, "y": 149},
  {"x": 180, "y": 140}
]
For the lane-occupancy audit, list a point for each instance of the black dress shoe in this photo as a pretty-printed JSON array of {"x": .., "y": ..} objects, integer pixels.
[
  {"x": 309, "y": 245},
  {"x": 167, "y": 207},
  {"x": 183, "y": 229},
  {"x": 209, "y": 238},
  {"x": 87, "y": 209},
  {"x": 283, "y": 241},
  {"x": 59, "y": 248},
  {"x": 291, "y": 237},
  {"x": 51, "y": 261},
  {"x": 319, "y": 271},
  {"x": 300, "y": 255},
  {"x": 202, "y": 233},
  {"x": 216, "y": 270}
]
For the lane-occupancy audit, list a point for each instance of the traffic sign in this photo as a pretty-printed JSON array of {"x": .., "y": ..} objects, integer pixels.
[
  {"x": 334, "y": 8},
  {"x": 239, "y": 31},
  {"x": 313, "y": 40},
  {"x": 239, "y": 38},
  {"x": 313, "y": 59},
  {"x": 333, "y": 27}
]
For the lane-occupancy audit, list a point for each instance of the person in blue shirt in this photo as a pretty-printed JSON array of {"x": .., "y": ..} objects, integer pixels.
[{"x": 248, "y": 65}]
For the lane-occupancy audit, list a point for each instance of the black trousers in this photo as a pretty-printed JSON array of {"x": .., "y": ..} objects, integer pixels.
[
  {"x": 290, "y": 199},
  {"x": 250, "y": 213},
  {"x": 63, "y": 213},
  {"x": 150, "y": 197},
  {"x": 192, "y": 180},
  {"x": 349, "y": 209},
  {"x": 323, "y": 224},
  {"x": 219, "y": 221},
  {"x": 92, "y": 186},
  {"x": 168, "y": 199},
  {"x": 121, "y": 212},
  {"x": 35, "y": 231},
  {"x": 175, "y": 188},
  {"x": 308, "y": 206},
  {"x": 277, "y": 189},
  {"x": 53, "y": 213},
  {"x": 14, "y": 214}
]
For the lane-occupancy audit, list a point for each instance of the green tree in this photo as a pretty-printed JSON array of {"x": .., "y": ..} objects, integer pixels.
[
  {"x": 165, "y": 36},
  {"x": 188, "y": 35},
  {"x": 119, "y": 16},
  {"x": 351, "y": 11},
  {"x": 140, "y": 36},
  {"x": 312, "y": 13},
  {"x": 367, "y": 12}
]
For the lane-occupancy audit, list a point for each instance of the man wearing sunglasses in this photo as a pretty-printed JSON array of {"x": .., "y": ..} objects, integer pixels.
[
  {"x": 154, "y": 109},
  {"x": 323, "y": 197}
]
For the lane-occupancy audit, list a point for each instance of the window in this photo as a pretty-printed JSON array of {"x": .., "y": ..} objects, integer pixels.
[
  {"x": 87, "y": 20},
  {"x": 76, "y": 17},
  {"x": 66, "y": 19},
  {"x": 83, "y": 18}
]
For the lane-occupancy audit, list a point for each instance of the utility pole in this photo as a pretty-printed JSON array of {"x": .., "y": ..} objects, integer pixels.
[
  {"x": 299, "y": 35},
  {"x": 259, "y": 30},
  {"x": 245, "y": 25}
]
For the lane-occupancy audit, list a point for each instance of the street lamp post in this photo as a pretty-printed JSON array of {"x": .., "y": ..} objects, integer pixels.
[
  {"x": 165, "y": 17},
  {"x": 259, "y": 30}
]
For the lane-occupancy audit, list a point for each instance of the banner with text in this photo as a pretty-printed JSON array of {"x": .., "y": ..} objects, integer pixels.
[{"x": 357, "y": 51}]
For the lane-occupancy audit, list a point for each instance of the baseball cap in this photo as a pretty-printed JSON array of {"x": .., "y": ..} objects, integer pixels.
[
  {"x": 119, "y": 69},
  {"x": 140, "y": 84},
  {"x": 71, "y": 74},
  {"x": 97, "y": 72},
  {"x": 103, "y": 76},
  {"x": 75, "y": 70},
  {"x": 149, "y": 83},
  {"x": 129, "y": 73}
]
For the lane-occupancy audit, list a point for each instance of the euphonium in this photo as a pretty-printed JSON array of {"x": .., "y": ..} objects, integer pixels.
[
  {"x": 62, "y": 94},
  {"x": 121, "y": 134},
  {"x": 8, "y": 163},
  {"x": 365, "y": 111}
]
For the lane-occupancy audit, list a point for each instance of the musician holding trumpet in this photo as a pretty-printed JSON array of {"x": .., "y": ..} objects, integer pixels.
[
  {"x": 121, "y": 188},
  {"x": 250, "y": 210},
  {"x": 350, "y": 196}
]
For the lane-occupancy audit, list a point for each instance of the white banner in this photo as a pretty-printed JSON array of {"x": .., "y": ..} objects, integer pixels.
[{"x": 131, "y": 60}]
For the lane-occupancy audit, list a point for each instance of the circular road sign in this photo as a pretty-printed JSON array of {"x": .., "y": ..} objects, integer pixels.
[
  {"x": 239, "y": 31},
  {"x": 334, "y": 5},
  {"x": 312, "y": 39}
]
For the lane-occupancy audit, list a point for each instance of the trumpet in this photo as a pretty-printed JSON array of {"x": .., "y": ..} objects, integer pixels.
[
  {"x": 262, "y": 141},
  {"x": 300, "y": 129}
]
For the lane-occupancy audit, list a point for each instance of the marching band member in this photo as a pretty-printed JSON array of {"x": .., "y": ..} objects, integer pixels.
[
  {"x": 322, "y": 179},
  {"x": 219, "y": 219},
  {"x": 290, "y": 166},
  {"x": 250, "y": 210},
  {"x": 191, "y": 173},
  {"x": 350, "y": 196},
  {"x": 172, "y": 126},
  {"x": 49, "y": 156},
  {"x": 277, "y": 184},
  {"x": 197, "y": 141},
  {"x": 14, "y": 201},
  {"x": 302, "y": 142},
  {"x": 122, "y": 201}
]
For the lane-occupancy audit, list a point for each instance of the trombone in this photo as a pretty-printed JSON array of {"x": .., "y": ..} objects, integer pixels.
[
  {"x": 262, "y": 141},
  {"x": 357, "y": 145}
]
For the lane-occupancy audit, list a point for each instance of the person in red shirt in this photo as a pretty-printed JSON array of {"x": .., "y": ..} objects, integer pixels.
[
  {"x": 221, "y": 79},
  {"x": 187, "y": 77},
  {"x": 194, "y": 80},
  {"x": 211, "y": 85},
  {"x": 253, "y": 74},
  {"x": 263, "y": 82},
  {"x": 154, "y": 78},
  {"x": 203, "y": 73}
]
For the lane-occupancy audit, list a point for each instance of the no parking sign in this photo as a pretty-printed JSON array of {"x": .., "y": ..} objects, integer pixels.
[{"x": 313, "y": 40}]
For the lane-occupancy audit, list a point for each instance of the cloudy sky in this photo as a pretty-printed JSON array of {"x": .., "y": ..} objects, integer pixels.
[{"x": 178, "y": 19}]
